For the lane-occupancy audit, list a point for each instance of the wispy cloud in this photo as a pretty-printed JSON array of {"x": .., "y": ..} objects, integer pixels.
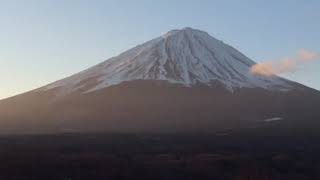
[
  {"x": 306, "y": 56},
  {"x": 284, "y": 65}
]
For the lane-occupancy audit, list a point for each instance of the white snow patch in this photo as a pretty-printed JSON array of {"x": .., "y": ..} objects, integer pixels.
[{"x": 273, "y": 119}]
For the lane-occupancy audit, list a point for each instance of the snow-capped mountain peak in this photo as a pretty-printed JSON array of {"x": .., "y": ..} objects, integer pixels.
[{"x": 185, "y": 57}]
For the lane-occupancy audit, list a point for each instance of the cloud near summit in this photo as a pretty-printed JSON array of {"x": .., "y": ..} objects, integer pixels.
[{"x": 284, "y": 65}]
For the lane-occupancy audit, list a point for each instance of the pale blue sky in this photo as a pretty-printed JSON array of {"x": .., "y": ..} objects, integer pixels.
[{"x": 42, "y": 41}]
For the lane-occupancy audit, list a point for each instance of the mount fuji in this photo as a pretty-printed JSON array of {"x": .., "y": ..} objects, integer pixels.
[
  {"x": 184, "y": 80},
  {"x": 185, "y": 57}
]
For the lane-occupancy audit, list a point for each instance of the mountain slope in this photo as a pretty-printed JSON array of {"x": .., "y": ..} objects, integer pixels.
[
  {"x": 184, "y": 57},
  {"x": 185, "y": 80}
]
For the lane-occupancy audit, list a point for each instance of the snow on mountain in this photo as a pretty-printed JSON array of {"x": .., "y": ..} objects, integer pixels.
[
  {"x": 273, "y": 119},
  {"x": 185, "y": 57}
]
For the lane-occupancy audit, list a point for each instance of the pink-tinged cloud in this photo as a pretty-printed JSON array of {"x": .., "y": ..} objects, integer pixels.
[
  {"x": 273, "y": 68},
  {"x": 305, "y": 55},
  {"x": 264, "y": 68}
]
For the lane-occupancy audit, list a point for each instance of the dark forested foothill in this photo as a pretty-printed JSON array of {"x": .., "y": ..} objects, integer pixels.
[{"x": 225, "y": 156}]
